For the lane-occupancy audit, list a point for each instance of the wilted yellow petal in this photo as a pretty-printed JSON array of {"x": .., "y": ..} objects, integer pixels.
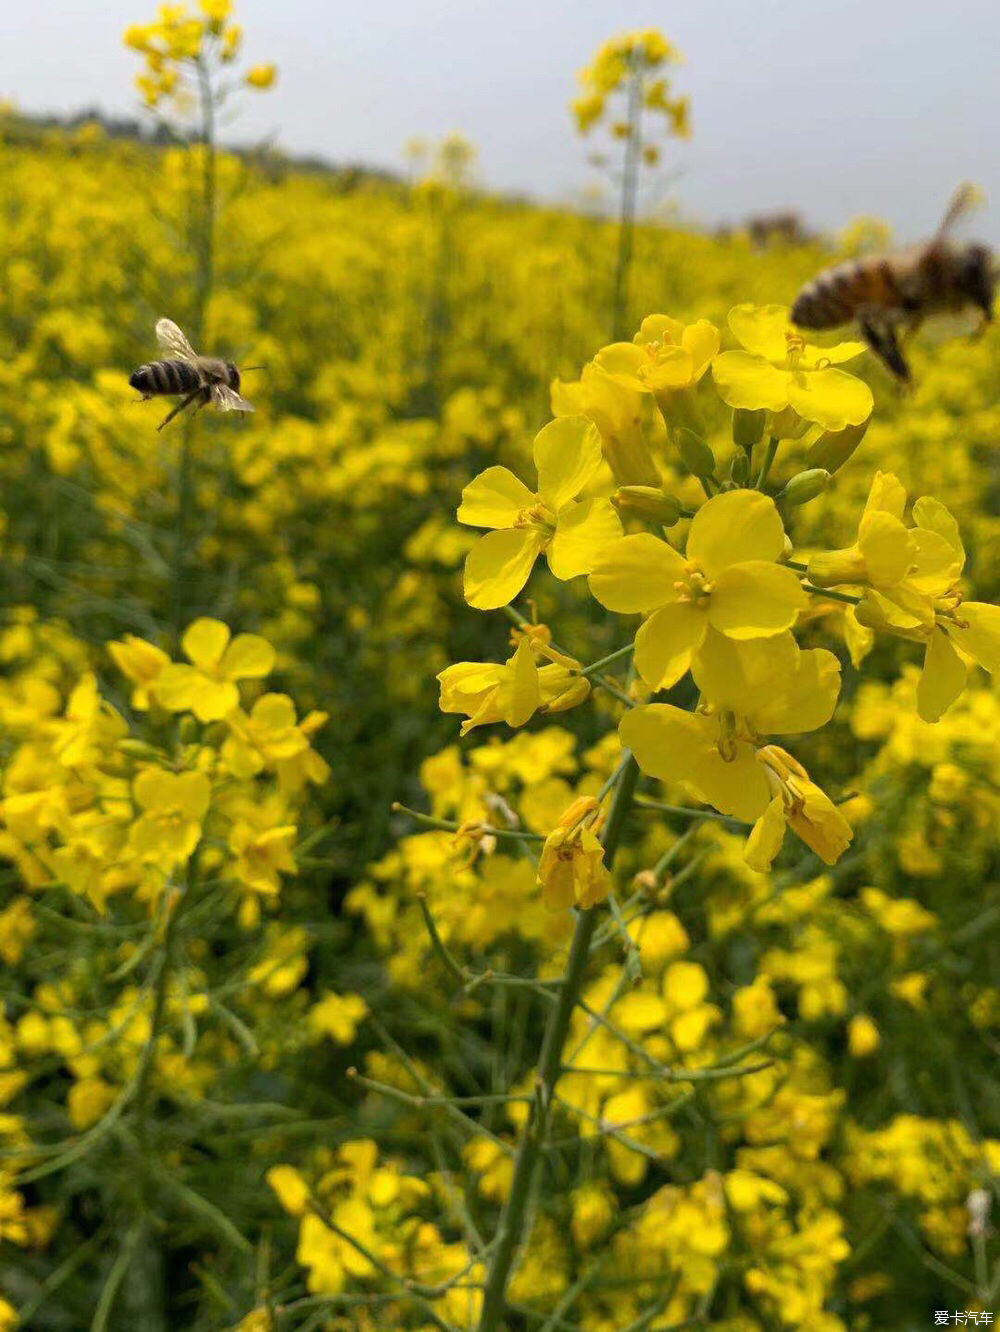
[
  {"x": 494, "y": 499},
  {"x": 498, "y": 565},
  {"x": 766, "y": 837},
  {"x": 735, "y": 526},
  {"x": 519, "y": 694},
  {"x": 755, "y": 599},
  {"x": 636, "y": 573}
]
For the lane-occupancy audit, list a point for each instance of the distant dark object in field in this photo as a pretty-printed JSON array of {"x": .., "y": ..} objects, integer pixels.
[{"x": 784, "y": 227}]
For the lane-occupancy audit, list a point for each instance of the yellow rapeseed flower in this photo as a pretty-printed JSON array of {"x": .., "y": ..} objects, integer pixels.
[
  {"x": 728, "y": 581},
  {"x": 779, "y": 369},
  {"x": 208, "y": 686},
  {"x": 571, "y": 531}
]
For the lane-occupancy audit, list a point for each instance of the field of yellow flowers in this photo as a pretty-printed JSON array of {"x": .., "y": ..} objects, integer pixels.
[{"x": 505, "y": 836}]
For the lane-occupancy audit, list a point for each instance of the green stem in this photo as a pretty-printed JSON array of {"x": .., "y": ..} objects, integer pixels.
[
  {"x": 513, "y": 1216},
  {"x": 772, "y": 449},
  {"x": 626, "y": 214},
  {"x": 829, "y": 592},
  {"x": 609, "y": 660}
]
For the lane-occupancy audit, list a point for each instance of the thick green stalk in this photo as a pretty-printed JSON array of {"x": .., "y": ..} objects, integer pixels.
[{"x": 514, "y": 1214}]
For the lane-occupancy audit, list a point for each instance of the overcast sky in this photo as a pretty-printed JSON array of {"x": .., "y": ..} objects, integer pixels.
[{"x": 834, "y": 107}]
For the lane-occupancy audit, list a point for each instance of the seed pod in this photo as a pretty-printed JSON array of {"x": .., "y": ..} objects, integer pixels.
[
  {"x": 695, "y": 453},
  {"x": 748, "y": 427},
  {"x": 805, "y": 487},
  {"x": 834, "y": 447},
  {"x": 647, "y": 502}
]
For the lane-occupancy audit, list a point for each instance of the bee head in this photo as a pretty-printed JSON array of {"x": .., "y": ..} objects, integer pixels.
[
  {"x": 234, "y": 376},
  {"x": 978, "y": 277}
]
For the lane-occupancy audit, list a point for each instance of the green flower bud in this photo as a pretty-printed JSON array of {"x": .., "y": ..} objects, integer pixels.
[
  {"x": 748, "y": 427},
  {"x": 647, "y": 502},
  {"x": 215, "y": 733},
  {"x": 805, "y": 487},
  {"x": 187, "y": 730},
  {"x": 695, "y": 453},
  {"x": 739, "y": 468},
  {"x": 138, "y": 749},
  {"x": 834, "y": 447}
]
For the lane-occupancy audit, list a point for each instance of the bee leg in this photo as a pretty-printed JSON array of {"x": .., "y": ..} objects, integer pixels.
[
  {"x": 185, "y": 402},
  {"x": 881, "y": 338}
]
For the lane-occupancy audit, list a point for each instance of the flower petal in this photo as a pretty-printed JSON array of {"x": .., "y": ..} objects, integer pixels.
[
  {"x": 740, "y": 677},
  {"x": 519, "y": 694},
  {"x": 835, "y": 355},
  {"x": 205, "y": 641},
  {"x": 943, "y": 678},
  {"x": 623, "y": 362},
  {"x": 701, "y": 341},
  {"x": 981, "y": 635},
  {"x": 567, "y": 454},
  {"x": 832, "y": 398},
  {"x": 681, "y": 746},
  {"x": 664, "y": 644},
  {"x": 886, "y": 493},
  {"x": 248, "y": 657},
  {"x": 749, "y": 381},
  {"x": 754, "y": 599},
  {"x": 735, "y": 526},
  {"x": 766, "y": 837},
  {"x": 932, "y": 514},
  {"x": 583, "y": 530},
  {"x": 636, "y": 573},
  {"x": 887, "y": 547},
  {"x": 494, "y": 499},
  {"x": 498, "y": 565},
  {"x": 761, "y": 329}
]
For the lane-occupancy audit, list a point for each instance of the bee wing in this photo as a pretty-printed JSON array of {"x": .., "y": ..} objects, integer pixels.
[
  {"x": 965, "y": 198},
  {"x": 173, "y": 342},
  {"x": 226, "y": 400}
]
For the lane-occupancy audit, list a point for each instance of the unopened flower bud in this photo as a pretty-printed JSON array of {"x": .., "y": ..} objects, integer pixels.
[
  {"x": 138, "y": 749},
  {"x": 739, "y": 469},
  {"x": 834, "y": 447},
  {"x": 748, "y": 427},
  {"x": 187, "y": 730},
  {"x": 698, "y": 458},
  {"x": 805, "y": 487},
  {"x": 577, "y": 689},
  {"x": 647, "y": 502}
]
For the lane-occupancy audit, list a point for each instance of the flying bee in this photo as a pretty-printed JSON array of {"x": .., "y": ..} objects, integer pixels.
[
  {"x": 183, "y": 373},
  {"x": 886, "y": 292}
]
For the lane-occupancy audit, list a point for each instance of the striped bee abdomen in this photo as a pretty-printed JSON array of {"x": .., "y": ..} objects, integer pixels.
[{"x": 165, "y": 377}]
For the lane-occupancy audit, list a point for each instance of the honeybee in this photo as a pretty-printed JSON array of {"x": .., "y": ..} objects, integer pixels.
[
  {"x": 200, "y": 379},
  {"x": 886, "y": 292}
]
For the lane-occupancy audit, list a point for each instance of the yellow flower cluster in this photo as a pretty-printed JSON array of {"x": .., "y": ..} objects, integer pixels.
[
  {"x": 181, "y": 42},
  {"x": 204, "y": 924},
  {"x": 630, "y": 63}
]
